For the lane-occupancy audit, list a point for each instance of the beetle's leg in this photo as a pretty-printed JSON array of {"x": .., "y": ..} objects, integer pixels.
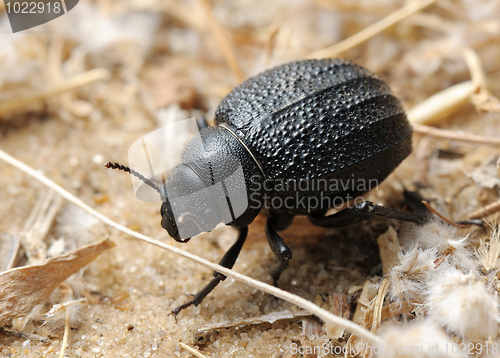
[
  {"x": 282, "y": 252},
  {"x": 228, "y": 261},
  {"x": 202, "y": 123},
  {"x": 366, "y": 211}
]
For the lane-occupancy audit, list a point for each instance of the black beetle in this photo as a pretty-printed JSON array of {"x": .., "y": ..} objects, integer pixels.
[{"x": 307, "y": 135}]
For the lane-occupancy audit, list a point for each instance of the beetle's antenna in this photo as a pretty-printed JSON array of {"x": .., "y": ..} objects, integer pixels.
[{"x": 118, "y": 166}]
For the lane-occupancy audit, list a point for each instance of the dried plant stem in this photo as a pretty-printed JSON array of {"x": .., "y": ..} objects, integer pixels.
[
  {"x": 446, "y": 102},
  {"x": 379, "y": 304},
  {"x": 66, "y": 333},
  {"x": 443, "y": 103},
  {"x": 485, "y": 211},
  {"x": 38, "y": 224},
  {"x": 489, "y": 249},
  {"x": 453, "y": 135},
  {"x": 372, "y": 30},
  {"x": 223, "y": 41},
  {"x": 192, "y": 350},
  {"x": 71, "y": 84},
  {"x": 442, "y": 217},
  {"x": 388, "y": 311},
  {"x": 287, "y": 296},
  {"x": 475, "y": 68}
]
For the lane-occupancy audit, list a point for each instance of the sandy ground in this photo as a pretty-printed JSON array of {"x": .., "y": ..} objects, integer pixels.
[{"x": 165, "y": 56}]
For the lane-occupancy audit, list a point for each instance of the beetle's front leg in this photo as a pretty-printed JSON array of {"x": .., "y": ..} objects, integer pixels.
[
  {"x": 228, "y": 261},
  {"x": 366, "y": 211},
  {"x": 282, "y": 252}
]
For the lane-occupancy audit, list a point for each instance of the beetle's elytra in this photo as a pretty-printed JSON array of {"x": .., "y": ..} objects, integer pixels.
[{"x": 304, "y": 134}]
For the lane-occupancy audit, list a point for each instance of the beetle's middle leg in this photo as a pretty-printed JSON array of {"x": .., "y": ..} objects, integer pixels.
[
  {"x": 282, "y": 252},
  {"x": 228, "y": 261}
]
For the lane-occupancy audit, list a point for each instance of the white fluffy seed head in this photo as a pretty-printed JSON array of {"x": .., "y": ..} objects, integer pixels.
[
  {"x": 444, "y": 238},
  {"x": 420, "y": 340},
  {"x": 463, "y": 305},
  {"x": 408, "y": 280}
]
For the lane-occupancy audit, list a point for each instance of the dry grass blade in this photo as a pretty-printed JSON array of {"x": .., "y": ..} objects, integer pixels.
[
  {"x": 9, "y": 249},
  {"x": 287, "y": 296},
  {"x": 66, "y": 334},
  {"x": 476, "y": 69},
  {"x": 452, "y": 135},
  {"x": 378, "y": 305},
  {"x": 482, "y": 99},
  {"x": 372, "y": 30},
  {"x": 489, "y": 251},
  {"x": 223, "y": 41},
  {"x": 390, "y": 310},
  {"x": 23, "y": 288},
  {"x": 86, "y": 78}
]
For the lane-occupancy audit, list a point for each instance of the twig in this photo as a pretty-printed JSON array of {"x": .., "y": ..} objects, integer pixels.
[
  {"x": 192, "y": 350},
  {"x": 476, "y": 70},
  {"x": 372, "y": 30},
  {"x": 287, "y": 296},
  {"x": 71, "y": 84},
  {"x": 442, "y": 217},
  {"x": 453, "y": 135}
]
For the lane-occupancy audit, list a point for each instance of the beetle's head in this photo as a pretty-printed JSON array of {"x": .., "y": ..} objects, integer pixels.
[{"x": 188, "y": 207}]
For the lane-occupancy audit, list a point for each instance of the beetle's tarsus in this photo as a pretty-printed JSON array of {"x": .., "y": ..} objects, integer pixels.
[
  {"x": 282, "y": 252},
  {"x": 478, "y": 222}
]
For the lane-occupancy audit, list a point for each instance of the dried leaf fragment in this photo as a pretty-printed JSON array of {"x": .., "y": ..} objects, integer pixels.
[
  {"x": 341, "y": 307},
  {"x": 22, "y": 288},
  {"x": 389, "y": 249}
]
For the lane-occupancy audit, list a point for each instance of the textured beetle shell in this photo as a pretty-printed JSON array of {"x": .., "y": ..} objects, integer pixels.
[{"x": 319, "y": 119}]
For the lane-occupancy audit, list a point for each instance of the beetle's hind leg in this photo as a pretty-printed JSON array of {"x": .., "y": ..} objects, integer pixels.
[
  {"x": 282, "y": 252},
  {"x": 228, "y": 261},
  {"x": 366, "y": 211}
]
